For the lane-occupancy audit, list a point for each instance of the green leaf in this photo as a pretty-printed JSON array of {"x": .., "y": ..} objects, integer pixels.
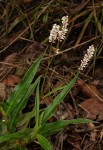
[
  {"x": 17, "y": 135},
  {"x": 44, "y": 142},
  {"x": 49, "y": 111},
  {"x": 3, "y": 127},
  {"x": 54, "y": 90},
  {"x": 37, "y": 99},
  {"x": 25, "y": 119},
  {"x": 18, "y": 147},
  {"x": 23, "y": 103},
  {"x": 20, "y": 90},
  {"x": 45, "y": 18},
  {"x": 58, "y": 125}
]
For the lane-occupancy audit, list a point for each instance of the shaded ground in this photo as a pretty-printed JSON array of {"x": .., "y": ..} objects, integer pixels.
[{"x": 24, "y": 31}]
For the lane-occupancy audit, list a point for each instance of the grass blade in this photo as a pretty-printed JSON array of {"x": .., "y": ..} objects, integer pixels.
[
  {"x": 44, "y": 142},
  {"x": 20, "y": 90},
  {"x": 23, "y": 103},
  {"x": 37, "y": 99},
  {"x": 54, "y": 90},
  {"x": 58, "y": 125},
  {"x": 14, "y": 136},
  {"x": 48, "y": 112}
]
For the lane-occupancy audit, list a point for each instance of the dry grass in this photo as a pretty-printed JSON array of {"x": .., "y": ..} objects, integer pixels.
[{"x": 22, "y": 22}]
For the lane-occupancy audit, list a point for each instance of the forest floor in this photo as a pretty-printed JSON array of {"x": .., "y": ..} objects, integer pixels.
[{"x": 24, "y": 30}]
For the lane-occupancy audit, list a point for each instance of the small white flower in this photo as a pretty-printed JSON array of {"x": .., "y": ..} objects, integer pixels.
[
  {"x": 87, "y": 57},
  {"x": 65, "y": 22},
  {"x": 54, "y": 33},
  {"x": 59, "y": 34}
]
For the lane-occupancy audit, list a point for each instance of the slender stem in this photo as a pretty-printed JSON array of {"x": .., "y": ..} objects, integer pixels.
[{"x": 49, "y": 63}]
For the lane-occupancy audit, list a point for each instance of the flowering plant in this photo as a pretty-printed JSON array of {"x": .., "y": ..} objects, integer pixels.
[
  {"x": 87, "y": 57},
  {"x": 15, "y": 131},
  {"x": 58, "y": 33}
]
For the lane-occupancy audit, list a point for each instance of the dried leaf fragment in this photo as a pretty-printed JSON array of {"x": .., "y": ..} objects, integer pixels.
[
  {"x": 2, "y": 91},
  {"x": 93, "y": 109},
  {"x": 11, "y": 80},
  {"x": 9, "y": 63},
  {"x": 89, "y": 90}
]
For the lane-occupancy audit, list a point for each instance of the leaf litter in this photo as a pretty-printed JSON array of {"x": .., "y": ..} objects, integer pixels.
[{"x": 85, "y": 99}]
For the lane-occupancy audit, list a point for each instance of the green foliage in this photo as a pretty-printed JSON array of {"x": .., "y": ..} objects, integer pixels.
[
  {"x": 19, "y": 97},
  {"x": 12, "y": 109},
  {"x": 21, "y": 89},
  {"x": 15, "y": 125},
  {"x": 51, "y": 128},
  {"x": 37, "y": 107},
  {"x": 32, "y": 22},
  {"x": 43, "y": 142},
  {"x": 49, "y": 111}
]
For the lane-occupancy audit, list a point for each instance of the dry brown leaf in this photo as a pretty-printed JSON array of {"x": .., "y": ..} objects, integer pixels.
[
  {"x": 12, "y": 58},
  {"x": 89, "y": 90},
  {"x": 93, "y": 109},
  {"x": 2, "y": 92},
  {"x": 9, "y": 63},
  {"x": 7, "y": 41},
  {"x": 11, "y": 80},
  {"x": 99, "y": 73},
  {"x": 74, "y": 141},
  {"x": 34, "y": 51}
]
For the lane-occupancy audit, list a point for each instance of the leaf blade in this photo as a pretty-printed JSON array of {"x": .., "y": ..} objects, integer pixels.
[
  {"x": 58, "y": 125},
  {"x": 48, "y": 112},
  {"x": 44, "y": 142},
  {"x": 20, "y": 90},
  {"x": 37, "y": 99},
  {"x": 23, "y": 103}
]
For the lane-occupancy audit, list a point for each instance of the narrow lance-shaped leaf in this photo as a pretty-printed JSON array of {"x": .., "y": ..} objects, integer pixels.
[
  {"x": 54, "y": 90},
  {"x": 17, "y": 135},
  {"x": 48, "y": 112},
  {"x": 44, "y": 142},
  {"x": 37, "y": 106},
  {"x": 58, "y": 125},
  {"x": 20, "y": 90},
  {"x": 23, "y": 102},
  {"x": 24, "y": 119}
]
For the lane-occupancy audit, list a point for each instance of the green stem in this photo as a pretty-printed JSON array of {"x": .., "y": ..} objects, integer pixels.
[{"x": 49, "y": 63}]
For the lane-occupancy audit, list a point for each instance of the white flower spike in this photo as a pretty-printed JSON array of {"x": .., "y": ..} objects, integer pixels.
[
  {"x": 59, "y": 34},
  {"x": 87, "y": 57},
  {"x": 54, "y": 33}
]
